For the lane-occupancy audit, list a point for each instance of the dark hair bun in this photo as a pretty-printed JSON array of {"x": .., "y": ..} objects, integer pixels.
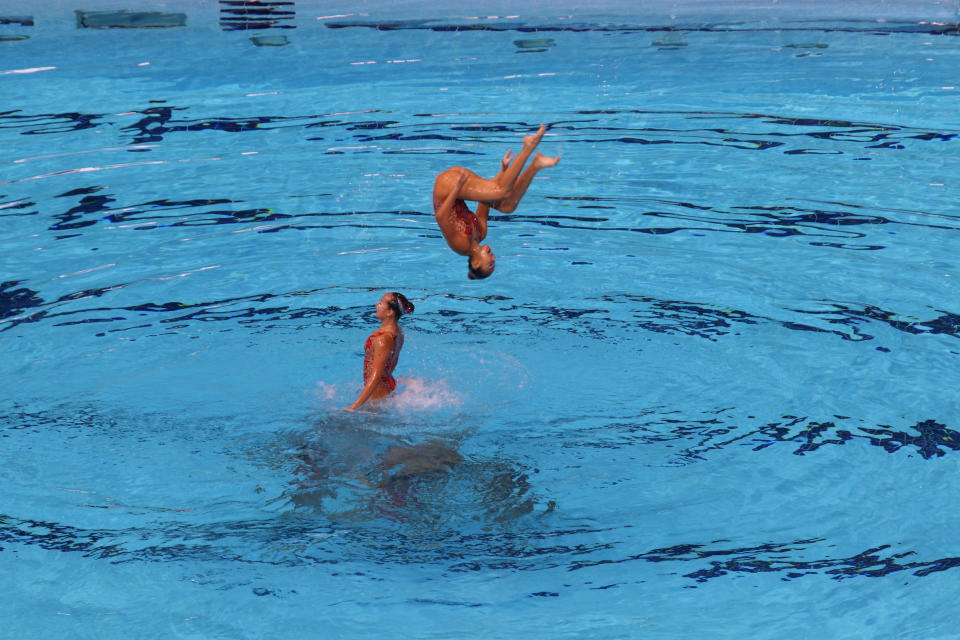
[{"x": 405, "y": 305}]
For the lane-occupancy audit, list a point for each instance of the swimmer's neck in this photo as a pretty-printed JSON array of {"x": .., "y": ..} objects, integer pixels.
[{"x": 474, "y": 250}]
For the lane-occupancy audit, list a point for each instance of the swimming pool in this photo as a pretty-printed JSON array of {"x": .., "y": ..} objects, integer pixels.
[{"x": 709, "y": 392}]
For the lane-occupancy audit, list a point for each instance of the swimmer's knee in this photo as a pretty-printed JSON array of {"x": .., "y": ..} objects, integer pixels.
[{"x": 500, "y": 194}]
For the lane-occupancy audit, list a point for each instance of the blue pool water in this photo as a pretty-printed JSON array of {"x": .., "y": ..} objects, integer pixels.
[{"x": 710, "y": 391}]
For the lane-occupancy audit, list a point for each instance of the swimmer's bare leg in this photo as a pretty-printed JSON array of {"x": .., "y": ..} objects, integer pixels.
[
  {"x": 478, "y": 189},
  {"x": 509, "y": 175},
  {"x": 483, "y": 190},
  {"x": 509, "y": 204}
]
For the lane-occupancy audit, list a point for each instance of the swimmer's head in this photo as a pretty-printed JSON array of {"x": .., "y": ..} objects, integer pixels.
[
  {"x": 481, "y": 263},
  {"x": 393, "y": 304}
]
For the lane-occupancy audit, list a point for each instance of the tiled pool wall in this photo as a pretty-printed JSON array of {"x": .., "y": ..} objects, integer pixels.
[{"x": 280, "y": 16}]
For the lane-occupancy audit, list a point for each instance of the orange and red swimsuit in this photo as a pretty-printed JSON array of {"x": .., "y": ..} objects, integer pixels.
[
  {"x": 468, "y": 219},
  {"x": 387, "y": 377}
]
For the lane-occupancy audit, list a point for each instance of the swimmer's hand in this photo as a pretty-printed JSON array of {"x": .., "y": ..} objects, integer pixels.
[{"x": 507, "y": 158}]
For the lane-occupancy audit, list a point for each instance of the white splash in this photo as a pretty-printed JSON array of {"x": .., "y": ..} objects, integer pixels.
[
  {"x": 325, "y": 391},
  {"x": 419, "y": 393}
]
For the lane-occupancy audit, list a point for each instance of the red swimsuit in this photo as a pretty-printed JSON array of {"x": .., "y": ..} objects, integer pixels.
[
  {"x": 468, "y": 220},
  {"x": 387, "y": 377}
]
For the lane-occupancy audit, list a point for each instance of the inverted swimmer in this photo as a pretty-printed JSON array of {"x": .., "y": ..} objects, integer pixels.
[
  {"x": 381, "y": 351},
  {"x": 462, "y": 229}
]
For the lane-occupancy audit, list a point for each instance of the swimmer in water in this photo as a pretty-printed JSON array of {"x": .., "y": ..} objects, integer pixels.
[
  {"x": 382, "y": 349},
  {"x": 464, "y": 230}
]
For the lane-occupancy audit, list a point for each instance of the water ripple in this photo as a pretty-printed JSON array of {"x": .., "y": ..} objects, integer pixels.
[
  {"x": 697, "y": 439},
  {"x": 257, "y": 542},
  {"x": 609, "y": 318}
]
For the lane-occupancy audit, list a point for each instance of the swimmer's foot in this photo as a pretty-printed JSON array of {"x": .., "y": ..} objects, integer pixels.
[
  {"x": 541, "y": 161},
  {"x": 533, "y": 140}
]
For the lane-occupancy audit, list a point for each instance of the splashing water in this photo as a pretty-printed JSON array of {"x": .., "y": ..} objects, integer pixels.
[{"x": 421, "y": 393}]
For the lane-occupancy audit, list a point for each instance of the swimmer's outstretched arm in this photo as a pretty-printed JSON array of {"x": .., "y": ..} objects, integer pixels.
[
  {"x": 444, "y": 212},
  {"x": 504, "y": 164},
  {"x": 382, "y": 345},
  {"x": 483, "y": 209}
]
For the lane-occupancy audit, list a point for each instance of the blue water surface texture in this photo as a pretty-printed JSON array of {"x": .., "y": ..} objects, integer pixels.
[{"x": 710, "y": 391}]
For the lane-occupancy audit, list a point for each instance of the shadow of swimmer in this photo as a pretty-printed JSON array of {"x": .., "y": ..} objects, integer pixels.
[{"x": 351, "y": 474}]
